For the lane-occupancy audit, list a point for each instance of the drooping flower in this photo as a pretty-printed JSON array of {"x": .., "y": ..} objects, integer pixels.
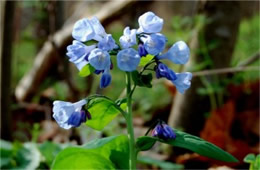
[
  {"x": 179, "y": 53},
  {"x": 99, "y": 30},
  {"x": 78, "y": 53},
  {"x": 141, "y": 50},
  {"x": 107, "y": 43},
  {"x": 182, "y": 82},
  {"x": 68, "y": 114},
  {"x": 162, "y": 70},
  {"x": 163, "y": 131},
  {"x": 129, "y": 38},
  {"x": 83, "y": 30},
  {"x": 154, "y": 43},
  {"x": 150, "y": 23},
  {"x": 105, "y": 79},
  {"x": 99, "y": 59},
  {"x": 128, "y": 59}
]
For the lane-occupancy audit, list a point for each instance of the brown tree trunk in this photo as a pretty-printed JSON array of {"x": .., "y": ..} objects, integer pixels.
[
  {"x": 222, "y": 29},
  {"x": 7, "y": 13}
]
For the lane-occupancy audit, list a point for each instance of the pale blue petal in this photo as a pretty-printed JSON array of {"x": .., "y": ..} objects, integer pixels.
[
  {"x": 99, "y": 59},
  {"x": 128, "y": 59},
  {"x": 107, "y": 43},
  {"x": 182, "y": 82},
  {"x": 179, "y": 53},
  {"x": 150, "y": 23},
  {"x": 98, "y": 28},
  {"x": 129, "y": 38},
  {"x": 83, "y": 31},
  {"x": 154, "y": 43}
]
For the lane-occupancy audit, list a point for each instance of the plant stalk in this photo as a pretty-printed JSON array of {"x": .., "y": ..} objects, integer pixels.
[{"x": 129, "y": 121}]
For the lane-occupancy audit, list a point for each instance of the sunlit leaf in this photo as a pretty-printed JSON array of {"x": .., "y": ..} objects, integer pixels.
[
  {"x": 86, "y": 70},
  {"x": 102, "y": 111},
  {"x": 195, "y": 144},
  {"x": 114, "y": 148},
  {"x": 145, "y": 60},
  {"x": 80, "y": 158}
]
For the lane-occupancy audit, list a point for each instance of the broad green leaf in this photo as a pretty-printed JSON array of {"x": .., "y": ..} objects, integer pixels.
[
  {"x": 102, "y": 111},
  {"x": 195, "y": 144},
  {"x": 80, "y": 158},
  {"x": 159, "y": 163},
  {"x": 49, "y": 150},
  {"x": 146, "y": 59},
  {"x": 86, "y": 70},
  {"x": 114, "y": 148},
  {"x": 249, "y": 158},
  {"x": 142, "y": 80},
  {"x": 143, "y": 143}
]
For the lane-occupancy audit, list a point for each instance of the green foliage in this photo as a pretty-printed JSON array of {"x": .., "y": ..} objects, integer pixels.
[
  {"x": 102, "y": 111},
  {"x": 105, "y": 153},
  {"x": 79, "y": 158},
  {"x": 253, "y": 160},
  {"x": 193, "y": 143},
  {"x": 160, "y": 164},
  {"x": 49, "y": 150},
  {"x": 142, "y": 80},
  {"x": 86, "y": 70},
  {"x": 145, "y": 60}
]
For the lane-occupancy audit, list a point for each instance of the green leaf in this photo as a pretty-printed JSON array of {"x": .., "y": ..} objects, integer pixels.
[
  {"x": 114, "y": 148},
  {"x": 143, "y": 143},
  {"x": 102, "y": 111},
  {"x": 146, "y": 59},
  {"x": 195, "y": 144},
  {"x": 159, "y": 163},
  {"x": 142, "y": 80},
  {"x": 249, "y": 158},
  {"x": 80, "y": 158},
  {"x": 49, "y": 150},
  {"x": 86, "y": 70}
]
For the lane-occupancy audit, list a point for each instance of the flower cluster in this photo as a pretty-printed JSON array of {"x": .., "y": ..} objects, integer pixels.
[{"x": 148, "y": 39}]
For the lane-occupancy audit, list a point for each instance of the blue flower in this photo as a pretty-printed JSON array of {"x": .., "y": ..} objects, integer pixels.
[
  {"x": 105, "y": 79},
  {"x": 99, "y": 59},
  {"x": 68, "y": 114},
  {"x": 162, "y": 70},
  {"x": 179, "y": 53},
  {"x": 129, "y": 38},
  {"x": 182, "y": 82},
  {"x": 149, "y": 23},
  {"x": 163, "y": 131},
  {"x": 107, "y": 43},
  {"x": 83, "y": 30},
  {"x": 141, "y": 50},
  {"x": 154, "y": 43},
  {"x": 128, "y": 59},
  {"x": 78, "y": 52}
]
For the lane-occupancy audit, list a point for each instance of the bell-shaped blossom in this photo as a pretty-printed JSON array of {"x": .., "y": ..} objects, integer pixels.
[
  {"x": 162, "y": 70},
  {"x": 150, "y": 23},
  {"x": 128, "y": 59},
  {"x": 141, "y": 50},
  {"x": 163, "y": 131},
  {"x": 99, "y": 59},
  {"x": 179, "y": 53},
  {"x": 107, "y": 43},
  {"x": 83, "y": 30},
  {"x": 182, "y": 82},
  {"x": 68, "y": 114},
  {"x": 78, "y": 52},
  {"x": 129, "y": 38},
  {"x": 99, "y": 30},
  {"x": 105, "y": 79},
  {"x": 154, "y": 43}
]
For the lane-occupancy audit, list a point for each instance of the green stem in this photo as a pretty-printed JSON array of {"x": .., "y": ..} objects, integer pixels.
[{"x": 129, "y": 121}]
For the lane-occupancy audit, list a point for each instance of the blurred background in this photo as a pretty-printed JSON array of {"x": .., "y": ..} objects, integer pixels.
[{"x": 222, "y": 105}]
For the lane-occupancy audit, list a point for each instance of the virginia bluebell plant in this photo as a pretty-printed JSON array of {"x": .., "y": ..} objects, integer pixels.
[{"x": 140, "y": 51}]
